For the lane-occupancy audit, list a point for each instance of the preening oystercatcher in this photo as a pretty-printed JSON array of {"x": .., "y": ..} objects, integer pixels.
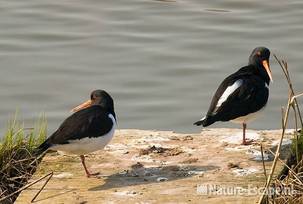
[
  {"x": 90, "y": 128},
  {"x": 242, "y": 95}
]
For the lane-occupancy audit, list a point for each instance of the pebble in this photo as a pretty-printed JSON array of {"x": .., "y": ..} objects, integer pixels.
[{"x": 162, "y": 179}]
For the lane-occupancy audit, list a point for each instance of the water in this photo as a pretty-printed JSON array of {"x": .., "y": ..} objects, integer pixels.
[{"x": 160, "y": 60}]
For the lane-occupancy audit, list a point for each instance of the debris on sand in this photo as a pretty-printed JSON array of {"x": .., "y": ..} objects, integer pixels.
[
  {"x": 256, "y": 155},
  {"x": 195, "y": 172},
  {"x": 161, "y": 150},
  {"x": 161, "y": 179},
  {"x": 245, "y": 172},
  {"x": 231, "y": 165},
  {"x": 144, "y": 158},
  {"x": 190, "y": 161},
  {"x": 138, "y": 165},
  {"x": 117, "y": 148},
  {"x": 187, "y": 137},
  {"x": 173, "y": 168},
  {"x": 125, "y": 193}
]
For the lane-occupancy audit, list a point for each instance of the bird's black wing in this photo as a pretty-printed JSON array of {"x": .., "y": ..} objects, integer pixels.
[
  {"x": 250, "y": 96},
  {"x": 90, "y": 122}
]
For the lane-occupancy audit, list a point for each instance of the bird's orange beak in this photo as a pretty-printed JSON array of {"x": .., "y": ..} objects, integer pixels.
[
  {"x": 82, "y": 106},
  {"x": 267, "y": 68}
]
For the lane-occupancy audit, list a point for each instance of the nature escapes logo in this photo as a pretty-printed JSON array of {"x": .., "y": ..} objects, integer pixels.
[{"x": 249, "y": 190}]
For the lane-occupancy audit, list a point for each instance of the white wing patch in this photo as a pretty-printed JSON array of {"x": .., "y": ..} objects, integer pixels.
[
  {"x": 203, "y": 118},
  {"x": 228, "y": 92},
  {"x": 266, "y": 85}
]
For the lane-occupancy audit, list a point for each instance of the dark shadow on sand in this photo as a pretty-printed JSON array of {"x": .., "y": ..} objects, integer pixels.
[{"x": 141, "y": 175}]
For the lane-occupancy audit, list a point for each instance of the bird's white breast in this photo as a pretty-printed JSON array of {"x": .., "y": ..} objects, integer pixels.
[
  {"x": 87, "y": 145},
  {"x": 249, "y": 117}
]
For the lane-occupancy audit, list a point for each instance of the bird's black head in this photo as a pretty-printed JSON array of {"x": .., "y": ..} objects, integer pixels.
[
  {"x": 260, "y": 59},
  {"x": 98, "y": 97},
  {"x": 102, "y": 98}
]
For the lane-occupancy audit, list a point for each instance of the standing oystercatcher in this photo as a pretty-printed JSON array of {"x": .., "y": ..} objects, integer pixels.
[
  {"x": 90, "y": 128},
  {"x": 242, "y": 95}
]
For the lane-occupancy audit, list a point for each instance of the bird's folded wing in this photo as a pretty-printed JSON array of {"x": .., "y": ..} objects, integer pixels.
[
  {"x": 237, "y": 95},
  {"x": 89, "y": 122}
]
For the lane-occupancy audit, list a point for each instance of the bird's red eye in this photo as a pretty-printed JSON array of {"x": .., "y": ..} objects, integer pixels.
[{"x": 258, "y": 53}]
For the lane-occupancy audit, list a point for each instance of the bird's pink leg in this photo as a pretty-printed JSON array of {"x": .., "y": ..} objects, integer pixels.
[
  {"x": 245, "y": 142},
  {"x": 244, "y": 129},
  {"x": 88, "y": 174}
]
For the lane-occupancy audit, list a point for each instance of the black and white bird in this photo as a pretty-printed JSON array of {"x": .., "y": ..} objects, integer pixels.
[
  {"x": 243, "y": 94},
  {"x": 89, "y": 129}
]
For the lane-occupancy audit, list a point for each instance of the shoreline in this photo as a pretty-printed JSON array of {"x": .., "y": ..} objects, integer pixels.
[{"x": 152, "y": 166}]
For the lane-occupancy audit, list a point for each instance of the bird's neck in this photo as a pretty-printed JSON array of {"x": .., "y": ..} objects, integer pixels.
[{"x": 260, "y": 70}]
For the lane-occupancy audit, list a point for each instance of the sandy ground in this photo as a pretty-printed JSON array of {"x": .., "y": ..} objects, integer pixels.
[{"x": 147, "y": 167}]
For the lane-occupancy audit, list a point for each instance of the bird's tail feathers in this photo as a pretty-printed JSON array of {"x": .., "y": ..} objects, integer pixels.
[
  {"x": 205, "y": 121},
  {"x": 42, "y": 148}
]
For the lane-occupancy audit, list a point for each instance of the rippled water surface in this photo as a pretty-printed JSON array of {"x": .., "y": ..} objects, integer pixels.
[{"x": 160, "y": 60}]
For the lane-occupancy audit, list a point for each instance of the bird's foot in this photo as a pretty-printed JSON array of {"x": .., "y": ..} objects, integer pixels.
[
  {"x": 91, "y": 175},
  {"x": 247, "y": 142}
]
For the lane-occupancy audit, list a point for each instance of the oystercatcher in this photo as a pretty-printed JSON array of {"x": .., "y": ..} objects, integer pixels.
[
  {"x": 90, "y": 128},
  {"x": 243, "y": 94}
]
